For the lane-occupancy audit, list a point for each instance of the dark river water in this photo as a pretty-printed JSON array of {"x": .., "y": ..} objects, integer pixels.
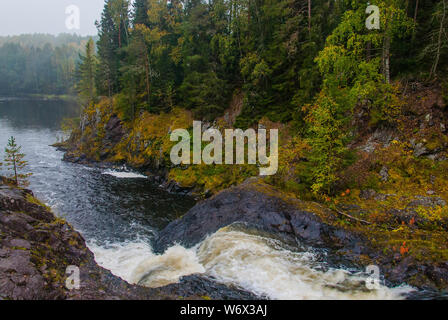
[
  {"x": 118, "y": 213},
  {"x": 101, "y": 206}
]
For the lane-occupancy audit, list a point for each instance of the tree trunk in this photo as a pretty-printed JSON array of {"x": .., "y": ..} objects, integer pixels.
[
  {"x": 415, "y": 19},
  {"x": 439, "y": 43},
  {"x": 148, "y": 84},
  {"x": 119, "y": 34},
  {"x": 309, "y": 17},
  {"x": 369, "y": 51},
  {"x": 386, "y": 58},
  {"x": 15, "y": 169},
  {"x": 415, "y": 12}
]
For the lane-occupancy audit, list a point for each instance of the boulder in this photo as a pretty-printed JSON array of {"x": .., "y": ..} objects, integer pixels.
[{"x": 254, "y": 204}]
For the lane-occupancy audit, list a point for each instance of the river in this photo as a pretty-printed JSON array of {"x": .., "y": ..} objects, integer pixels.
[{"x": 119, "y": 213}]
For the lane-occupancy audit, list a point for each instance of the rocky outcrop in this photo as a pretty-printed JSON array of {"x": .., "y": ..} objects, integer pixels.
[
  {"x": 257, "y": 205},
  {"x": 36, "y": 248}
]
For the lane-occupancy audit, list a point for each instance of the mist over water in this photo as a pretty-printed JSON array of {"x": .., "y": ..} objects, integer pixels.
[{"x": 119, "y": 213}]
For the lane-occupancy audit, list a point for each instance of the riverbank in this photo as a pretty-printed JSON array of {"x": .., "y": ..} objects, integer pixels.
[
  {"x": 42, "y": 97},
  {"x": 393, "y": 195},
  {"x": 259, "y": 206},
  {"x": 36, "y": 248}
]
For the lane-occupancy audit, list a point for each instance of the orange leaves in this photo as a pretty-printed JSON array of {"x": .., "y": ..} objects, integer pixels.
[{"x": 404, "y": 249}]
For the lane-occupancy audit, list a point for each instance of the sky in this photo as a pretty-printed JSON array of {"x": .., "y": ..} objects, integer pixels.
[{"x": 49, "y": 16}]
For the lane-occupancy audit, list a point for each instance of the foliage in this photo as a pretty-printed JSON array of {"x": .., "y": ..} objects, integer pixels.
[
  {"x": 86, "y": 73},
  {"x": 39, "y": 64},
  {"x": 14, "y": 161},
  {"x": 328, "y": 142}
]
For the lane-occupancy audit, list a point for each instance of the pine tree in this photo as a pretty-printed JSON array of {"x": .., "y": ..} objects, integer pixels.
[
  {"x": 140, "y": 12},
  {"x": 110, "y": 31},
  {"x": 14, "y": 160},
  {"x": 86, "y": 73}
]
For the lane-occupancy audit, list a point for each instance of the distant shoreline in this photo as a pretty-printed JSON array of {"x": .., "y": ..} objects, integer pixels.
[{"x": 43, "y": 97}]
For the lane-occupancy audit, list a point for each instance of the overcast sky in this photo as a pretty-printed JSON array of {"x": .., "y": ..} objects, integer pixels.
[{"x": 48, "y": 16}]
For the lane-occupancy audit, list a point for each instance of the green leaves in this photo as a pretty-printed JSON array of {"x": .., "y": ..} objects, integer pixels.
[{"x": 327, "y": 139}]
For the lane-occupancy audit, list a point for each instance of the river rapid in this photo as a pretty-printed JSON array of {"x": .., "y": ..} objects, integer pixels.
[{"x": 120, "y": 212}]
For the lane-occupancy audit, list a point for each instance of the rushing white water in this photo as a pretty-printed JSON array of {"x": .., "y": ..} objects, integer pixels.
[
  {"x": 257, "y": 264},
  {"x": 124, "y": 174}
]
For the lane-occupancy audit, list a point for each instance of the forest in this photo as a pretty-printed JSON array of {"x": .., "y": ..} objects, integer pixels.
[
  {"x": 39, "y": 63},
  {"x": 354, "y": 92},
  {"x": 310, "y": 65}
]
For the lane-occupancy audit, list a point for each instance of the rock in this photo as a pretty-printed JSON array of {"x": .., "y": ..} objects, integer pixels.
[
  {"x": 381, "y": 197},
  {"x": 420, "y": 150},
  {"x": 384, "y": 173},
  {"x": 430, "y": 192},
  {"x": 429, "y": 119},
  {"x": 36, "y": 249},
  {"x": 248, "y": 206},
  {"x": 208, "y": 287},
  {"x": 114, "y": 130},
  {"x": 442, "y": 127},
  {"x": 427, "y": 202},
  {"x": 406, "y": 216},
  {"x": 256, "y": 207},
  {"x": 381, "y": 136},
  {"x": 367, "y": 194}
]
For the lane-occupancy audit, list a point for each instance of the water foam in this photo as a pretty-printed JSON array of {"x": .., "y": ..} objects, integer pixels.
[
  {"x": 124, "y": 174},
  {"x": 256, "y": 263}
]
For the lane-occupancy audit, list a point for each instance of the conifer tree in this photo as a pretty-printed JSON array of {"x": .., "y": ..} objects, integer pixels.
[
  {"x": 86, "y": 73},
  {"x": 14, "y": 160}
]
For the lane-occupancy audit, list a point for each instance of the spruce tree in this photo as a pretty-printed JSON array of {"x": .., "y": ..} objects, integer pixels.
[
  {"x": 86, "y": 73},
  {"x": 14, "y": 160}
]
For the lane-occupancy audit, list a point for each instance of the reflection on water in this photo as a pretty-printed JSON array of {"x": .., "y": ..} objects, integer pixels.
[
  {"x": 103, "y": 207},
  {"x": 27, "y": 114}
]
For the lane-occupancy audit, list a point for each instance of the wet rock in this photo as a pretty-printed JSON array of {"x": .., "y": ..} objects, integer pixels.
[
  {"x": 255, "y": 206},
  {"x": 208, "y": 287},
  {"x": 247, "y": 205}
]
